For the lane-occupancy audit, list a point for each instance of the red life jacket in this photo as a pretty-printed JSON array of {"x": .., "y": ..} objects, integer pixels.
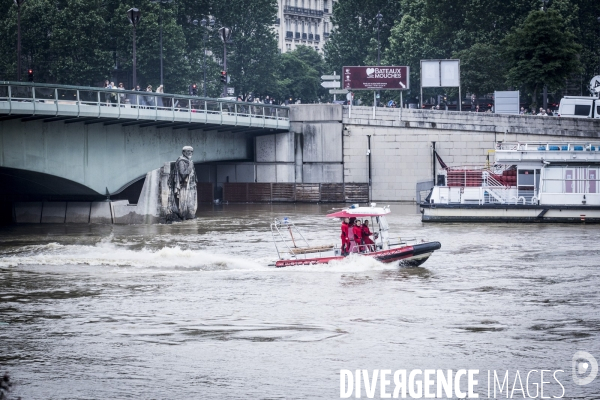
[{"x": 344, "y": 231}]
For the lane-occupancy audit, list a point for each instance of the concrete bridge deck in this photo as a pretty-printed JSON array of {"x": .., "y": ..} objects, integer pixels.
[
  {"x": 112, "y": 106},
  {"x": 86, "y": 142}
]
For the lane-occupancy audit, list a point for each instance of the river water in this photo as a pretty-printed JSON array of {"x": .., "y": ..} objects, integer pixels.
[{"x": 194, "y": 311}]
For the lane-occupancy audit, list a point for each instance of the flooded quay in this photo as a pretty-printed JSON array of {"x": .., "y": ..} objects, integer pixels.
[{"x": 194, "y": 311}]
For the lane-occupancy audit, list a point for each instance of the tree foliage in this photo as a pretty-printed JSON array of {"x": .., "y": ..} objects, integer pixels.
[
  {"x": 476, "y": 31},
  {"x": 542, "y": 50},
  {"x": 500, "y": 44},
  {"x": 299, "y": 74}
]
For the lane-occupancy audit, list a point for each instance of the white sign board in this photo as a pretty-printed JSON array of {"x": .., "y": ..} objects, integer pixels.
[
  {"x": 440, "y": 73},
  {"x": 331, "y": 84},
  {"x": 449, "y": 71},
  {"x": 430, "y": 73},
  {"x": 230, "y": 90},
  {"x": 506, "y": 102}
]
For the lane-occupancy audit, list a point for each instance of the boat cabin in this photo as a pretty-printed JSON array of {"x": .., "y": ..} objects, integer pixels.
[{"x": 564, "y": 173}]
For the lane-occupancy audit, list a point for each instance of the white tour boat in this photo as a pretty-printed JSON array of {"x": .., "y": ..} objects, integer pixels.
[
  {"x": 293, "y": 249},
  {"x": 529, "y": 182}
]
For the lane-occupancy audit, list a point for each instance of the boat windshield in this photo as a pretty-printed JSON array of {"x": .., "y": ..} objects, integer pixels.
[{"x": 383, "y": 224}]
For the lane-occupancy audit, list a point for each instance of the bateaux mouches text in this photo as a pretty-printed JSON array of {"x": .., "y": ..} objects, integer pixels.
[{"x": 463, "y": 383}]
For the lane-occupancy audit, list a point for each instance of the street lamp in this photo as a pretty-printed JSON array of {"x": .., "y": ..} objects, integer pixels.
[
  {"x": 160, "y": 2},
  {"x": 204, "y": 23},
  {"x": 225, "y": 35},
  {"x": 545, "y": 93},
  {"x": 599, "y": 37},
  {"x": 134, "y": 16},
  {"x": 18, "y": 3},
  {"x": 378, "y": 17}
]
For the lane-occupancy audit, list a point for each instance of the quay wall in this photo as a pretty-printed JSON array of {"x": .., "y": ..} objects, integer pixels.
[{"x": 401, "y": 143}]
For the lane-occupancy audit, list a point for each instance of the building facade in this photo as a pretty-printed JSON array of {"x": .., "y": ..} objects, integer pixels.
[{"x": 303, "y": 22}]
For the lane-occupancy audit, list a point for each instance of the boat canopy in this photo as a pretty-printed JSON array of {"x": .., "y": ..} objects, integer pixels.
[{"x": 356, "y": 211}]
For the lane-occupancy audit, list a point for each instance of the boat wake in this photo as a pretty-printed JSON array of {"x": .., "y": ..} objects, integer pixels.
[
  {"x": 109, "y": 254},
  {"x": 352, "y": 263}
]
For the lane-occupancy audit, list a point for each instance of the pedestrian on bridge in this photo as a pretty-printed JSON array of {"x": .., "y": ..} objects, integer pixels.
[{"x": 159, "y": 99}]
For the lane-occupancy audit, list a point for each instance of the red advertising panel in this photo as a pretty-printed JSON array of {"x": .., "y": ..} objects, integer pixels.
[{"x": 376, "y": 78}]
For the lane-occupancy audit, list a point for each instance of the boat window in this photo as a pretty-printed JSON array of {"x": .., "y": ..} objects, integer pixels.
[
  {"x": 526, "y": 177},
  {"x": 598, "y": 112},
  {"x": 582, "y": 109}
]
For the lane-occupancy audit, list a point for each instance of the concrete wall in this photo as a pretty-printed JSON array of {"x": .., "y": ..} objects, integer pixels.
[
  {"x": 472, "y": 122},
  {"x": 319, "y": 144},
  {"x": 60, "y": 212},
  {"x": 102, "y": 157},
  {"x": 402, "y": 153}
]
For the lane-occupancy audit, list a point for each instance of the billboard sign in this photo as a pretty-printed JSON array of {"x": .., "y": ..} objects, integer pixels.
[
  {"x": 376, "y": 78},
  {"x": 440, "y": 73}
]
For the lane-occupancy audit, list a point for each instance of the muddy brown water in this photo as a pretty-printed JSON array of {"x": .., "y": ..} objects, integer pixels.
[{"x": 193, "y": 310}]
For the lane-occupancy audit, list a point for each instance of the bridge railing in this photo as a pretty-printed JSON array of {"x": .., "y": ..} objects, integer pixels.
[{"x": 81, "y": 101}]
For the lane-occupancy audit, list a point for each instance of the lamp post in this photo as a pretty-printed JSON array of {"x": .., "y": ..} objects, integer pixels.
[
  {"x": 545, "y": 95},
  {"x": 204, "y": 23},
  {"x": 134, "y": 16},
  {"x": 18, "y": 3},
  {"x": 378, "y": 17},
  {"x": 224, "y": 34},
  {"x": 599, "y": 37},
  {"x": 161, "y": 34}
]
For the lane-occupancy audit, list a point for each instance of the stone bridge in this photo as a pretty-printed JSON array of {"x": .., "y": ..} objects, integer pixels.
[{"x": 81, "y": 142}]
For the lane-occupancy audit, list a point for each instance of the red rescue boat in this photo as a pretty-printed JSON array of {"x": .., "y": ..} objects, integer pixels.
[{"x": 293, "y": 249}]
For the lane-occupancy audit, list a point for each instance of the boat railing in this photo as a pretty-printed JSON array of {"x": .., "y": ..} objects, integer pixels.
[
  {"x": 549, "y": 146},
  {"x": 296, "y": 244}
]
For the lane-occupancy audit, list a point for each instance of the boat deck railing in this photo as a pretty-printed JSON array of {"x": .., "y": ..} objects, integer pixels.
[
  {"x": 296, "y": 245},
  {"x": 549, "y": 146}
]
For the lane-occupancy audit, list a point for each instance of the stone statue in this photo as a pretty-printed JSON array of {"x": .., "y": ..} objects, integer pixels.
[{"x": 183, "y": 199}]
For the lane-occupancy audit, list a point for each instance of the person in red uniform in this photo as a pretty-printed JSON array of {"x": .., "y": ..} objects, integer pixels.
[
  {"x": 352, "y": 243},
  {"x": 344, "y": 237},
  {"x": 357, "y": 230},
  {"x": 366, "y": 232}
]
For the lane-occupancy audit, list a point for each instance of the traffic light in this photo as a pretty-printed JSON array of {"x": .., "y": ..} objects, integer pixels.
[
  {"x": 223, "y": 76},
  {"x": 193, "y": 90},
  {"x": 30, "y": 75}
]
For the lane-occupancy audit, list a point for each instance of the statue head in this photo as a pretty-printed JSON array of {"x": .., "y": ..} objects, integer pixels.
[{"x": 187, "y": 151}]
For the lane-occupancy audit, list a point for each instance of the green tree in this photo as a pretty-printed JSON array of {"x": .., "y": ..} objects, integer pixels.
[
  {"x": 316, "y": 61},
  {"x": 483, "y": 69},
  {"x": 252, "y": 57},
  {"x": 37, "y": 20},
  {"x": 353, "y": 40},
  {"x": 176, "y": 62},
  {"x": 541, "y": 51},
  {"x": 299, "y": 79},
  {"x": 83, "y": 58}
]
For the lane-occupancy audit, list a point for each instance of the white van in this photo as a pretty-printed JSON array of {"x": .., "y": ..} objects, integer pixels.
[{"x": 579, "y": 107}]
